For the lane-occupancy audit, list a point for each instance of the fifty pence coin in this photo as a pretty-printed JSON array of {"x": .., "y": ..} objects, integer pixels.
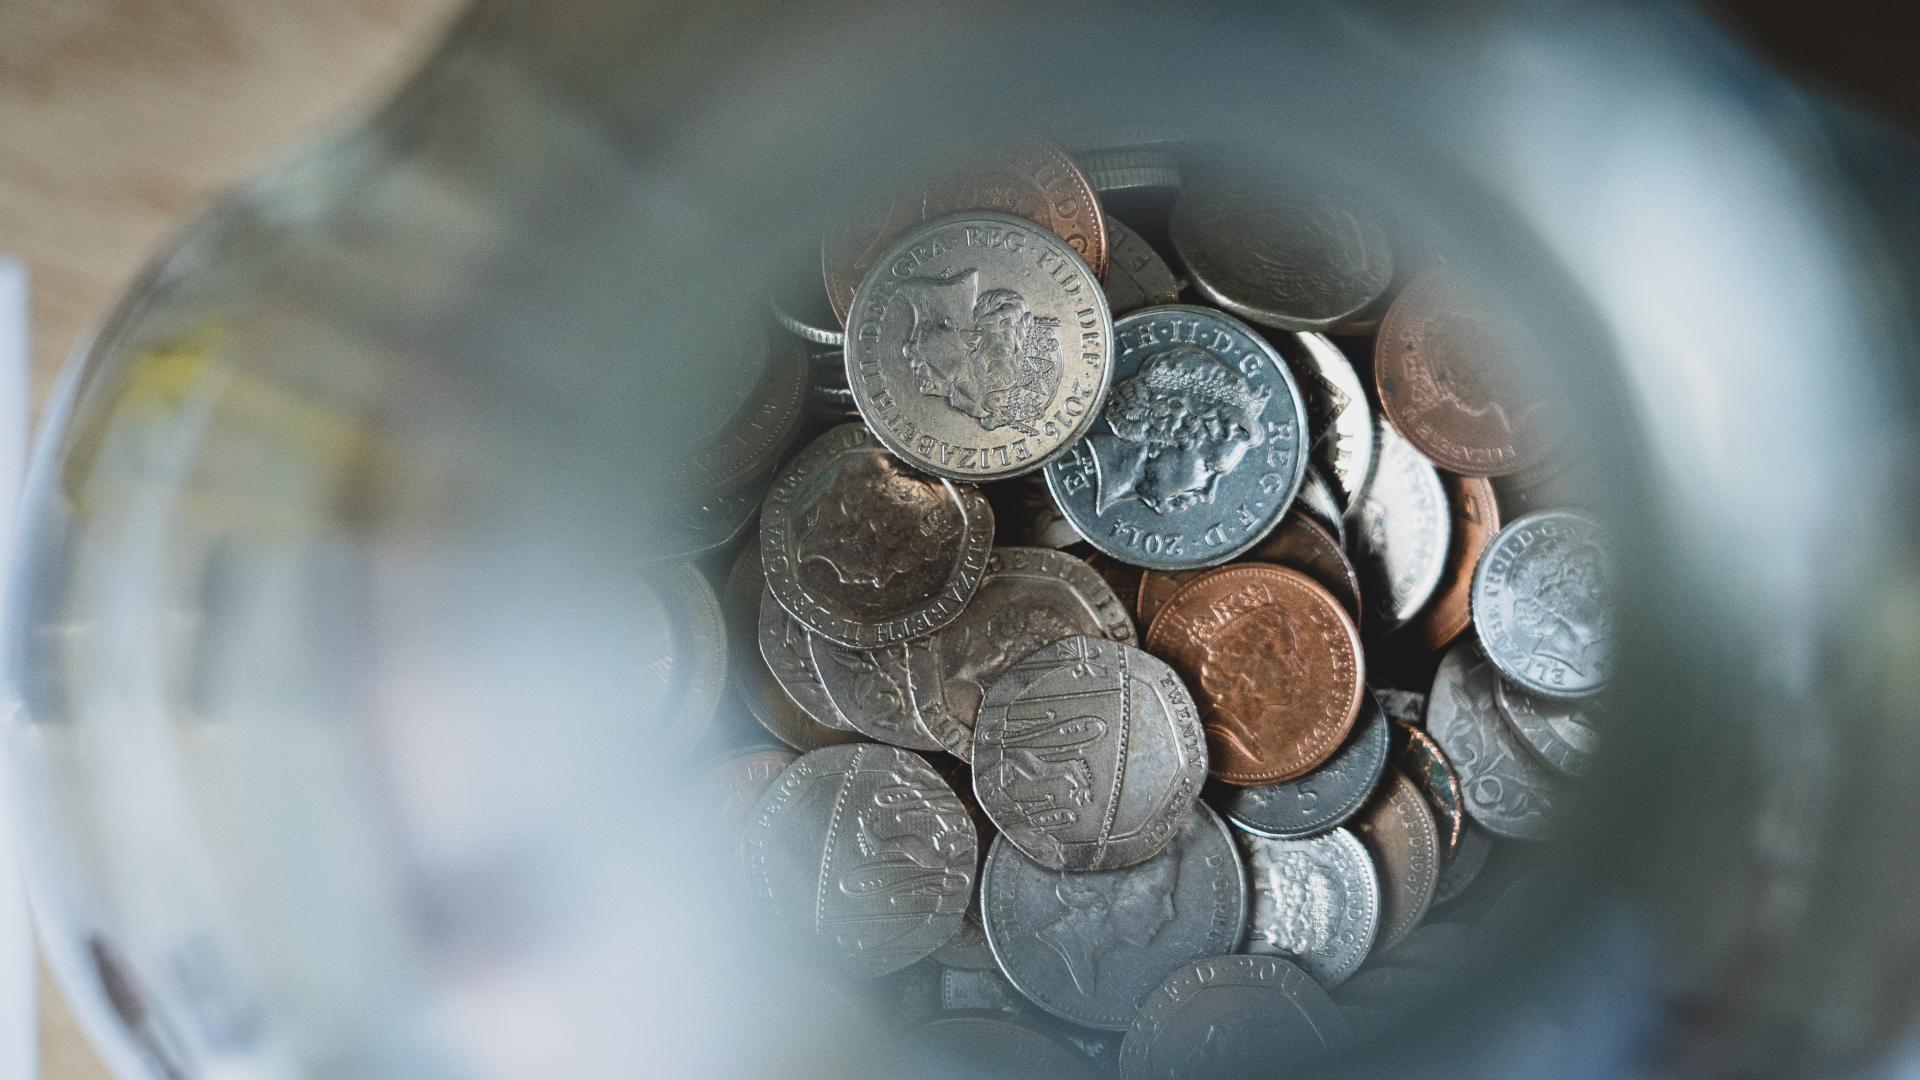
[
  {"x": 1339, "y": 419},
  {"x": 1137, "y": 276},
  {"x": 1275, "y": 664},
  {"x": 1231, "y": 1016},
  {"x": 1199, "y": 450},
  {"x": 1503, "y": 786},
  {"x": 1278, "y": 252},
  {"x": 1416, "y": 754},
  {"x": 1561, "y": 732},
  {"x": 869, "y": 689},
  {"x": 1461, "y": 380},
  {"x": 1029, "y": 597},
  {"x": 1324, "y": 797},
  {"x": 866, "y": 852},
  {"x": 980, "y": 347},
  {"x": 1090, "y": 947},
  {"x": 995, "y": 1044},
  {"x": 1399, "y": 830},
  {"x": 1088, "y": 754},
  {"x": 1401, "y": 533},
  {"x": 1542, "y": 604},
  {"x": 1032, "y": 180},
  {"x": 863, "y": 550},
  {"x": 1315, "y": 901},
  {"x": 1476, "y": 518}
]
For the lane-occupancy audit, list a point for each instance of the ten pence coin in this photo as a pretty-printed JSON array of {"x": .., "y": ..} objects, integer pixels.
[
  {"x": 1229, "y": 1017},
  {"x": 1275, "y": 664}
]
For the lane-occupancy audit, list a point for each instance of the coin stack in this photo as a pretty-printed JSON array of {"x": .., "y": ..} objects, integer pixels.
[{"x": 1129, "y": 644}]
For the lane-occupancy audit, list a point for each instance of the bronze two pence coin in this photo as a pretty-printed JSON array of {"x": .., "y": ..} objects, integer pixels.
[
  {"x": 1459, "y": 378},
  {"x": 1275, "y": 664}
]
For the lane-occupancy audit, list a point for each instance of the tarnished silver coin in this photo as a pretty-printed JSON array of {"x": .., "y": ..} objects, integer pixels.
[
  {"x": 787, "y": 649},
  {"x": 677, "y": 640},
  {"x": 993, "y": 1044},
  {"x": 868, "y": 688},
  {"x": 981, "y": 990},
  {"x": 1030, "y": 597},
  {"x": 1401, "y": 533},
  {"x": 1315, "y": 900},
  {"x": 1558, "y": 731},
  {"x": 1230, "y": 1017},
  {"x": 1505, "y": 789},
  {"x": 1319, "y": 500},
  {"x": 1280, "y": 251},
  {"x": 772, "y": 666},
  {"x": 1465, "y": 866},
  {"x": 1406, "y": 706},
  {"x": 1324, "y": 797},
  {"x": 863, "y": 550},
  {"x": 979, "y": 346},
  {"x": 1339, "y": 420},
  {"x": 1543, "y": 606},
  {"x": 1088, "y": 754},
  {"x": 1137, "y": 276},
  {"x": 864, "y": 852},
  {"x": 1400, "y": 833},
  {"x": 1199, "y": 450},
  {"x": 1090, "y": 947}
]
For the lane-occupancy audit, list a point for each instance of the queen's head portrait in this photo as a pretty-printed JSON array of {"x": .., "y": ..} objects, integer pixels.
[
  {"x": 1105, "y": 912},
  {"x": 984, "y": 353},
  {"x": 1563, "y": 604},
  {"x": 1173, "y": 429},
  {"x": 877, "y": 523}
]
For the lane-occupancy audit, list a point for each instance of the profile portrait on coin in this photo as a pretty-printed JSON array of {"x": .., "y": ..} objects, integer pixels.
[
  {"x": 985, "y": 353},
  {"x": 1563, "y": 604},
  {"x": 1173, "y": 429},
  {"x": 1253, "y": 655},
  {"x": 1096, "y": 919},
  {"x": 876, "y": 524},
  {"x": 1009, "y": 634}
]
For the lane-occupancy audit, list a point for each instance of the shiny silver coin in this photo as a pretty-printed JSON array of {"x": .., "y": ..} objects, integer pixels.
[
  {"x": 863, "y": 550},
  {"x": 1542, "y": 603},
  {"x": 677, "y": 640},
  {"x": 979, "y": 347},
  {"x": 1324, "y": 797},
  {"x": 1316, "y": 901},
  {"x": 1277, "y": 252},
  {"x": 1339, "y": 419},
  {"x": 1089, "y": 948},
  {"x": 1131, "y": 168},
  {"x": 1465, "y": 866},
  {"x": 1505, "y": 789},
  {"x": 1029, "y": 597},
  {"x": 1322, "y": 503},
  {"x": 1406, "y": 706},
  {"x": 864, "y": 852},
  {"x": 1229, "y": 1017},
  {"x": 1137, "y": 276},
  {"x": 992, "y": 1044},
  {"x": 868, "y": 688},
  {"x": 1088, "y": 754},
  {"x": 1560, "y": 732},
  {"x": 1401, "y": 532},
  {"x": 787, "y": 649},
  {"x": 1401, "y": 834},
  {"x": 1198, "y": 453}
]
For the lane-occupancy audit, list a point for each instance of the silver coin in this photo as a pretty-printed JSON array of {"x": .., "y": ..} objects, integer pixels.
[
  {"x": 1467, "y": 862},
  {"x": 1324, "y": 797},
  {"x": 1279, "y": 253},
  {"x": 787, "y": 649},
  {"x": 1130, "y": 168},
  {"x": 1028, "y": 598},
  {"x": 1199, "y": 451},
  {"x": 1401, "y": 532},
  {"x": 979, "y": 346},
  {"x": 1406, "y": 706},
  {"x": 1090, "y": 947},
  {"x": 1137, "y": 276},
  {"x": 1542, "y": 603},
  {"x": 864, "y": 851},
  {"x": 1504, "y": 788},
  {"x": 757, "y": 651},
  {"x": 1319, "y": 500},
  {"x": 1339, "y": 418},
  {"x": 812, "y": 332},
  {"x": 1558, "y": 731},
  {"x": 968, "y": 950},
  {"x": 1228, "y": 1017},
  {"x": 1088, "y": 754},
  {"x": 678, "y": 644},
  {"x": 1316, "y": 901},
  {"x": 1401, "y": 834},
  {"x": 863, "y": 550},
  {"x": 868, "y": 688}
]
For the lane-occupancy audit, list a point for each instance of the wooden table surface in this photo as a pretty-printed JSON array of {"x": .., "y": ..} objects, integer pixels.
[{"x": 119, "y": 119}]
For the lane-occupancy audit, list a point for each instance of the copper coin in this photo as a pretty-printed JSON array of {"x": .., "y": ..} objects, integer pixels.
[
  {"x": 1420, "y": 757},
  {"x": 1030, "y": 179},
  {"x": 1401, "y": 834},
  {"x": 1459, "y": 379},
  {"x": 1299, "y": 542},
  {"x": 1476, "y": 519},
  {"x": 1274, "y": 663}
]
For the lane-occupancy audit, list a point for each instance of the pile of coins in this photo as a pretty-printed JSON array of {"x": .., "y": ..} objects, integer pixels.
[{"x": 1149, "y": 654}]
